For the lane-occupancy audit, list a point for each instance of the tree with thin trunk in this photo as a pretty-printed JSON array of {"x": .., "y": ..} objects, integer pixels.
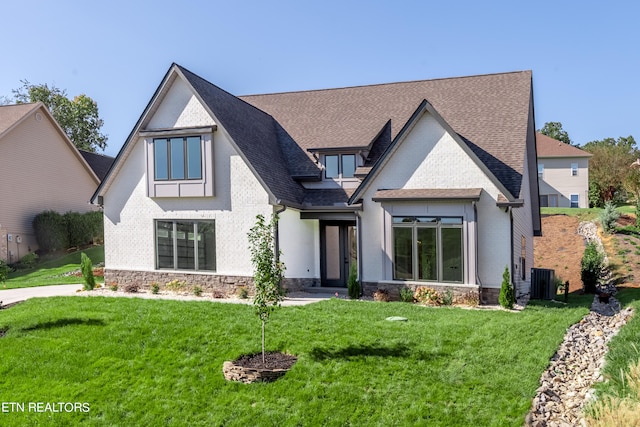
[{"x": 268, "y": 271}]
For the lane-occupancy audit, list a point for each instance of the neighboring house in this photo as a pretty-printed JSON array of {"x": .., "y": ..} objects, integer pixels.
[
  {"x": 563, "y": 174},
  {"x": 40, "y": 170},
  {"x": 99, "y": 163},
  {"x": 418, "y": 183}
]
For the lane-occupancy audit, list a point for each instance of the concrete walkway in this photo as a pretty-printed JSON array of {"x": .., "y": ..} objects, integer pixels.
[{"x": 8, "y": 296}]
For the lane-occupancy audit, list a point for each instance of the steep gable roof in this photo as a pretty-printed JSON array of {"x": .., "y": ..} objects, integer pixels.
[
  {"x": 549, "y": 147},
  {"x": 99, "y": 163},
  {"x": 14, "y": 114},
  {"x": 489, "y": 112}
]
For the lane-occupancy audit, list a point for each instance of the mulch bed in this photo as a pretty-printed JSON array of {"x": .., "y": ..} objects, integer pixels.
[{"x": 273, "y": 360}]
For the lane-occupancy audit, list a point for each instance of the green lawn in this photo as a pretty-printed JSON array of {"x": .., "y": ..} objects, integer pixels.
[
  {"x": 584, "y": 214},
  {"x": 158, "y": 362},
  {"x": 51, "y": 272}
]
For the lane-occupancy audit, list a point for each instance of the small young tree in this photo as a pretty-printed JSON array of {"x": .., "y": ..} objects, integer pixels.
[
  {"x": 507, "y": 296},
  {"x": 268, "y": 271},
  {"x": 87, "y": 272},
  {"x": 608, "y": 217},
  {"x": 591, "y": 267}
]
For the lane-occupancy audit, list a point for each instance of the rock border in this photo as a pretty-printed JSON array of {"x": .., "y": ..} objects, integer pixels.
[{"x": 233, "y": 372}]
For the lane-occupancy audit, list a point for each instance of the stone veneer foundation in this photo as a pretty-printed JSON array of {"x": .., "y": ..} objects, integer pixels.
[{"x": 225, "y": 285}]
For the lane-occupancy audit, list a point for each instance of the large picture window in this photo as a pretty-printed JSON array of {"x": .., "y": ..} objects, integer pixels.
[
  {"x": 186, "y": 245},
  {"x": 427, "y": 248},
  {"x": 177, "y": 158}
]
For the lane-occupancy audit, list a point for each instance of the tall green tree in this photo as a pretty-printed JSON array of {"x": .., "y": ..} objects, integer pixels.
[
  {"x": 610, "y": 168},
  {"x": 78, "y": 117},
  {"x": 555, "y": 131}
]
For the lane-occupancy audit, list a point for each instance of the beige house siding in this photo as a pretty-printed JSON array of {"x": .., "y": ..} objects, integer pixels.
[
  {"x": 557, "y": 180},
  {"x": 40, "y": 171}
]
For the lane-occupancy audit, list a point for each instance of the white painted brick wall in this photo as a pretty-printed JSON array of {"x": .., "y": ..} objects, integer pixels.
[
  {"x": 300, "y": 245},
  {"x": 180, "y": 108},
  {"x": 430, "y": 158}
]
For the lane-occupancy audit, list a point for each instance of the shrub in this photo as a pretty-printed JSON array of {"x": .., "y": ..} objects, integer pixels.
[
  {"x": 243, "y": 293},
  {"x": 176, "y": 285},
  {"x": 197, "y": 291},
  {"x": 447, "y": 298},
  {"x": 381, "y": 295},
  {"x": 426, "y": 295},
  {"x": 131, "y": 288},
  {"x": 608, "y": 217},
  {"x": 85, "y": 228},
  {"x": 406, "y": 294},
  {"x": 51, "y": 231},
  {"x": 471, "y": 298},
  {"x": 4, "y": 270},
  {"x": 87, "y": 272},
  {"x": 507, "y": 297},
  {"x": 29, "y": 260},
  {"x": 621, "y": 410},
  {"x": 113, "y": 286},
  {"x": 155, "y": 288},
  {"x": 591, "y": 267},
  {"x": 353, "y": 285}
]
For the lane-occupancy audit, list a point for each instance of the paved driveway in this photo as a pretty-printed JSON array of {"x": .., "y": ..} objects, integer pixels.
[{"x": 7, "y": 296}]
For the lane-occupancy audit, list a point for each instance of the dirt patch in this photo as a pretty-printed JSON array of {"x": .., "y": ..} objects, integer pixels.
[
  {"x": 273, "y": 360},
  {"x": 560, "y": 248}
]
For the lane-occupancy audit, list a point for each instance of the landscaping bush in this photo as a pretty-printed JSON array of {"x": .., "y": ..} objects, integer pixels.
[
  {"x": 353, "y": 285},
  {"x": 4, "y": 271},
  {"x": 155, "y": 288},
  {"x": 608, "y": 217},
  {"x": 84, "y": 228},
  {"x": 51, "y": 231},
  {"x": 86, "y": 266},
  {"x": 197, "y": 291},
  {"x": 381, "y": 295},
  {"x": 29, "y": 260},
  {"x": 507, "y": 298},
  {"x": 447, "y": 298},
  {"x": 406, "y": 294},
  {"x": 430, "y": 296},
  {"x": 591, "y": 267}
]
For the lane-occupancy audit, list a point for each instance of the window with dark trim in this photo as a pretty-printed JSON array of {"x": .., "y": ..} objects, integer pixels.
[
  {"x": 339, "y": 166},
  {"x": 178, "y": 158},
  {"x": 428, "y": 248},
  {"x": 575, "y": 200},
  {"x": 185, "y": 245}
]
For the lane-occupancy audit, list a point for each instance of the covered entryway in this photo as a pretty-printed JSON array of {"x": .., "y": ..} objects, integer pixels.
[{"x": 338, "y": 251}]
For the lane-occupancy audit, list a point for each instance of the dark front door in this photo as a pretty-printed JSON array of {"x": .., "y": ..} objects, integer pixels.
[{"x": 337, "y": 251}]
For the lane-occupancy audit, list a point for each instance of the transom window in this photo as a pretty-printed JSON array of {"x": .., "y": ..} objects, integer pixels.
[
  {"x": 339, "y": 166},
  {"x": 186, "y": 245},
  {"x": 177, "y": 158},
  {"x": 427, "y": 248}
]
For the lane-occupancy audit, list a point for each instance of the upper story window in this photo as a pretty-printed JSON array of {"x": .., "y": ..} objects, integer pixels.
[
  {"x": 179, "y": 162},
  {"x": 339, "y": 166},
  {"x": 574, "y": 169},
  {"x": 540, "y": 170},
  {"x": 177, "y": 158}
]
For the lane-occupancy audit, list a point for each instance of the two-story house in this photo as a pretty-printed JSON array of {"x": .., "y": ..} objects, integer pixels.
[
  {"x": 415, "y": 183},
  {"x": 563, "y": 174}
]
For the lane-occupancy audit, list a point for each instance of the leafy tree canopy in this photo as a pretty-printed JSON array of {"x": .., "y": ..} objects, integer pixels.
[
  {"x": 78, "y": 117},
  {"x": 610, "y": 170},
  {"x": 554, "y": 130}
]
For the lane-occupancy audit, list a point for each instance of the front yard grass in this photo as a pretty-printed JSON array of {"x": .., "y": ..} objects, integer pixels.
[
  {"x": 52, "y": 272},
  {"x": 158, "y": 362}
]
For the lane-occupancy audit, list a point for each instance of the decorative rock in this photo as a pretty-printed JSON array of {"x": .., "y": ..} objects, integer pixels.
[
  {"x": 397, "y": 319},
  {"x": 234, "y": 372}
]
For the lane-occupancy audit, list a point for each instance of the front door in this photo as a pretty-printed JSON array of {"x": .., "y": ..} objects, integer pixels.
[{"x": 338, "y": 251}]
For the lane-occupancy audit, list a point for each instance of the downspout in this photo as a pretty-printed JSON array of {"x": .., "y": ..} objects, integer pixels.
[
  {"x": 276, "y": 232},
  {"x": 475, "y": 219},
  {"x": 359, "y": 249},
  {"x": 513, "y": 276}
]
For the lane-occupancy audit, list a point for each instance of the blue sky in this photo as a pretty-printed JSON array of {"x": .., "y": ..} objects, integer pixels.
[{"x": 584, "y": 55}]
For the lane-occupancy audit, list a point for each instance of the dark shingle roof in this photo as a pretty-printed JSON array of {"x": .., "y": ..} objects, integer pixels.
[
  {"x": 99, "y": 163},
  {"x": 489, "y": 112},
  {"x": 259, "y": 137}
]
